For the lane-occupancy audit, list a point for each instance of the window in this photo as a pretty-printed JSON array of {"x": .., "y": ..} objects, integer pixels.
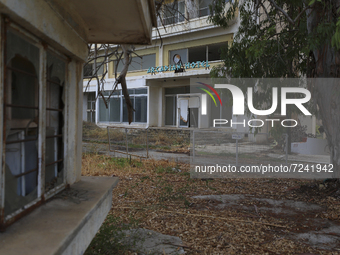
[
  {"x": 112, "y": 112},
  {"x": 138, "y": 63},
  {"x": 170, "y": 110},
  {"x": 214, "y": 51},
  {"x": 197, "y": 53},
  {"x": 171, "y": 103},
  {"x": 89, "y": 69},
  {"x": 91, "y": 107},
  {"x": 210, "y": 52},
  {"x": 204, "y": 8},
  {"x": 182, "y": 52},
  {"x": 174, "y": 12},
  {"x": 117, "y": 110},
  {"x": 34, "y": 120}
]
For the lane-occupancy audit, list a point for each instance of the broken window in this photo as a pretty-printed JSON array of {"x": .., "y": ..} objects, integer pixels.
[
  {"x": 33, "y": 123},
  {"x": 22, "y": 125}
]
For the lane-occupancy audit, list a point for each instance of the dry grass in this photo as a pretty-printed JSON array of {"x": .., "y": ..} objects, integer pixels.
[
  {"x": 159, "y": 196},
  {"x": 92, "y": 131},
  {"x": 159, "y": 140}
]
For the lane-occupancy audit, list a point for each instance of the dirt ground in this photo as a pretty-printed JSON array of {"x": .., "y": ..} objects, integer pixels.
[{"x": 224, "y": 216}]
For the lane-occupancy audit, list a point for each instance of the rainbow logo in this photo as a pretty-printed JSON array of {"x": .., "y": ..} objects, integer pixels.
[{"x": 209, "y": 93}]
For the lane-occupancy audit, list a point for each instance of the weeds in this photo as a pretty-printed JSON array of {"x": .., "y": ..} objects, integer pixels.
[{"x": 110, "y": 237}]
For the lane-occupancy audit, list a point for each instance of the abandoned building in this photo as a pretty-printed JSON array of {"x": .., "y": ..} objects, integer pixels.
[
  {"x": 160, "y": 91},
  {"x": 157, "y": 90},
  {"x": 44, "y": 44}
]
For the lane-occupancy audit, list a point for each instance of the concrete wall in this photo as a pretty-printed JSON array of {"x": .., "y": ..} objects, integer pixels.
[
  {"x": 192, "y": 33},
  {"x": 58, "y": 26},
  {"x": 74, "y": 122},
  {"x": 312, "y": 146}
]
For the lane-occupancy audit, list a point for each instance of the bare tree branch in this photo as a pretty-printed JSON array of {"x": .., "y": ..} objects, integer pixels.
[{"x": 287, "y": 16}]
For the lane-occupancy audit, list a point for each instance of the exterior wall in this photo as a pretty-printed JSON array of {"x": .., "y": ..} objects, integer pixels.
[
  {"x": 155, "y": 83},
  {"x": 312, "y": 146},
  {"x": 42, "y": 19},
  {"x": 146, "y": 50},
  {"x": 183, "y": 35}
]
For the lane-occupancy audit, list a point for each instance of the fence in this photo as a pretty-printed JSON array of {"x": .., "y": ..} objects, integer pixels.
[
  {"x": 209, "y": 147},
  {"x": 236, "y": 148},
  {"x": 147, "y": 142},
  {"x": 233, "y": 148}
]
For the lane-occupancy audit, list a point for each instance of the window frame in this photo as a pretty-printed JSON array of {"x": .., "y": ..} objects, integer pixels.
[
  {"x": 203, "y": 8},
  {"x": 91, "y": 110},
  {"x": 175, "y": 16},
  {"x": 42, "y": 194},
  {"x": 188, "y": 53},
  {"x": 101, "y": 69},
  {"x": 121, "y": 102},
  {"x": 121, "y": 63}
]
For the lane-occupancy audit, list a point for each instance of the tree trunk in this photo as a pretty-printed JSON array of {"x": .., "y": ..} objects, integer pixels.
[{"x": 327, "y": 93}]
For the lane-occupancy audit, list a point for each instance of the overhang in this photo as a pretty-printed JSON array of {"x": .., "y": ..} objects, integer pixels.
[{"x": 117, "y": 21}]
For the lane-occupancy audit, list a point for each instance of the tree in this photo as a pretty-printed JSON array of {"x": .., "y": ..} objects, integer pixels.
[
  {"x": 100, "y": 55},
  {"x": 293, "y": 38}
]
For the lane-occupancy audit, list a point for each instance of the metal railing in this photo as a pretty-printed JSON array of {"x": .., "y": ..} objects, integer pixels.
[
  {"x": 234, "y": 147},
  {"x": 126, "y": 131}
]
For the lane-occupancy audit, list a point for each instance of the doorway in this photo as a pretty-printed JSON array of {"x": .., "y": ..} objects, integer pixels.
[{"x": 188, "y": 111}]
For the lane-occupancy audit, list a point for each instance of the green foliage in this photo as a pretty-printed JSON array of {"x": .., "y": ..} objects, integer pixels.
[
  {"x": 276, "y": 132},
  {"x": 120, "y": 162},
  {"x": 268, "y": 44},
  {"x": 336, "y": 36}
]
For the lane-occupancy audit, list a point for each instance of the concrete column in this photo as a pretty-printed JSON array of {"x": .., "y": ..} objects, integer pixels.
[{"x": 73, "y": 121}]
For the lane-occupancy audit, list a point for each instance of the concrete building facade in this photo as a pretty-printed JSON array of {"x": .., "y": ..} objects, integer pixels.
[{"x": 161, "y": 94}]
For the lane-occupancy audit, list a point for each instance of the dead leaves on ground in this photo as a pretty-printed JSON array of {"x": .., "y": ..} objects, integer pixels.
[{"x": 159, "y": 196}]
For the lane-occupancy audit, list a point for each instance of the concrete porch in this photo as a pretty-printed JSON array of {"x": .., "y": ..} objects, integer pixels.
[{"x": 64, "y": 225}]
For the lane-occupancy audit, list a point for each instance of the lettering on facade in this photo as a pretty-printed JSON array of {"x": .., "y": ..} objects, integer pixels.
[{"x": 191, "y": 65}]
